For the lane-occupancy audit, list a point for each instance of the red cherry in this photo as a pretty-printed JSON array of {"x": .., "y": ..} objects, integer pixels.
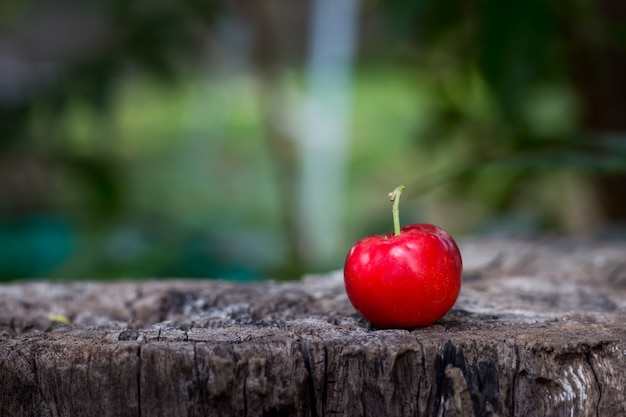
[{"x": 408, "y": 279}]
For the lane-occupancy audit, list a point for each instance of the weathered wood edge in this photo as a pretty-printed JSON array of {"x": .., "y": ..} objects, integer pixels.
[{"x": 538, "y": 330}]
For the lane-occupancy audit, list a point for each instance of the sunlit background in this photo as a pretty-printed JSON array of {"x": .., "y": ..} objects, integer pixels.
[{"x": 249, "y": 139}]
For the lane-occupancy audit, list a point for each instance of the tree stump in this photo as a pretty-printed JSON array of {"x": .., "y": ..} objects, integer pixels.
[{"x": 538, "y": 330}]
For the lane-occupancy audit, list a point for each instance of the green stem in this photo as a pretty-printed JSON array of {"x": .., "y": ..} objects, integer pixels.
[{"x": 395, "y": 197}]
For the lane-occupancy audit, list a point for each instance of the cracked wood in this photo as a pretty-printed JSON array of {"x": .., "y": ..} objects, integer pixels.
[{"x": 537, "y": 331}]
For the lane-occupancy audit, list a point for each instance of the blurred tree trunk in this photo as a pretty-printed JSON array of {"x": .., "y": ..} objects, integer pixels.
[
  {"x": 598, "y": 62},
  {"x": 266, "y": 61}
]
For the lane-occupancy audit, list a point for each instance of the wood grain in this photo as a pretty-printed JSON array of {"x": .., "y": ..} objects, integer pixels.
[{"x": 537, "y": 331}]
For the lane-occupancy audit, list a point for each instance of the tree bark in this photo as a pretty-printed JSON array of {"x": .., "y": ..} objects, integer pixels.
[{"x": 538, "y": 330}]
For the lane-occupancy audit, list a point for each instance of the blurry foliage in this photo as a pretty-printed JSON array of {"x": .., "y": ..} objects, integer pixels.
[
  {"x": 56, "y": 57},
  {"x": 506, "y": 80},
  {"x": 106, "y": 107}
]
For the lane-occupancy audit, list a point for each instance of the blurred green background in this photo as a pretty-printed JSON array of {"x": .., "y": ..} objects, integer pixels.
[{"x": 248, "y": 139}]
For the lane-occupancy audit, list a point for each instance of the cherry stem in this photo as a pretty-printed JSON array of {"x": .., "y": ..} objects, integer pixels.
[{"x": 395, "y": 198}]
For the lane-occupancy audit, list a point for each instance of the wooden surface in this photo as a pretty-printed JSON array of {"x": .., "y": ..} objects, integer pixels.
[{"x": 539, "y": 330}]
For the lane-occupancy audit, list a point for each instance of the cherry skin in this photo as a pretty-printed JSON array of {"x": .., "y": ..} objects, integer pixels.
[{"x": 404, "y": 281}]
